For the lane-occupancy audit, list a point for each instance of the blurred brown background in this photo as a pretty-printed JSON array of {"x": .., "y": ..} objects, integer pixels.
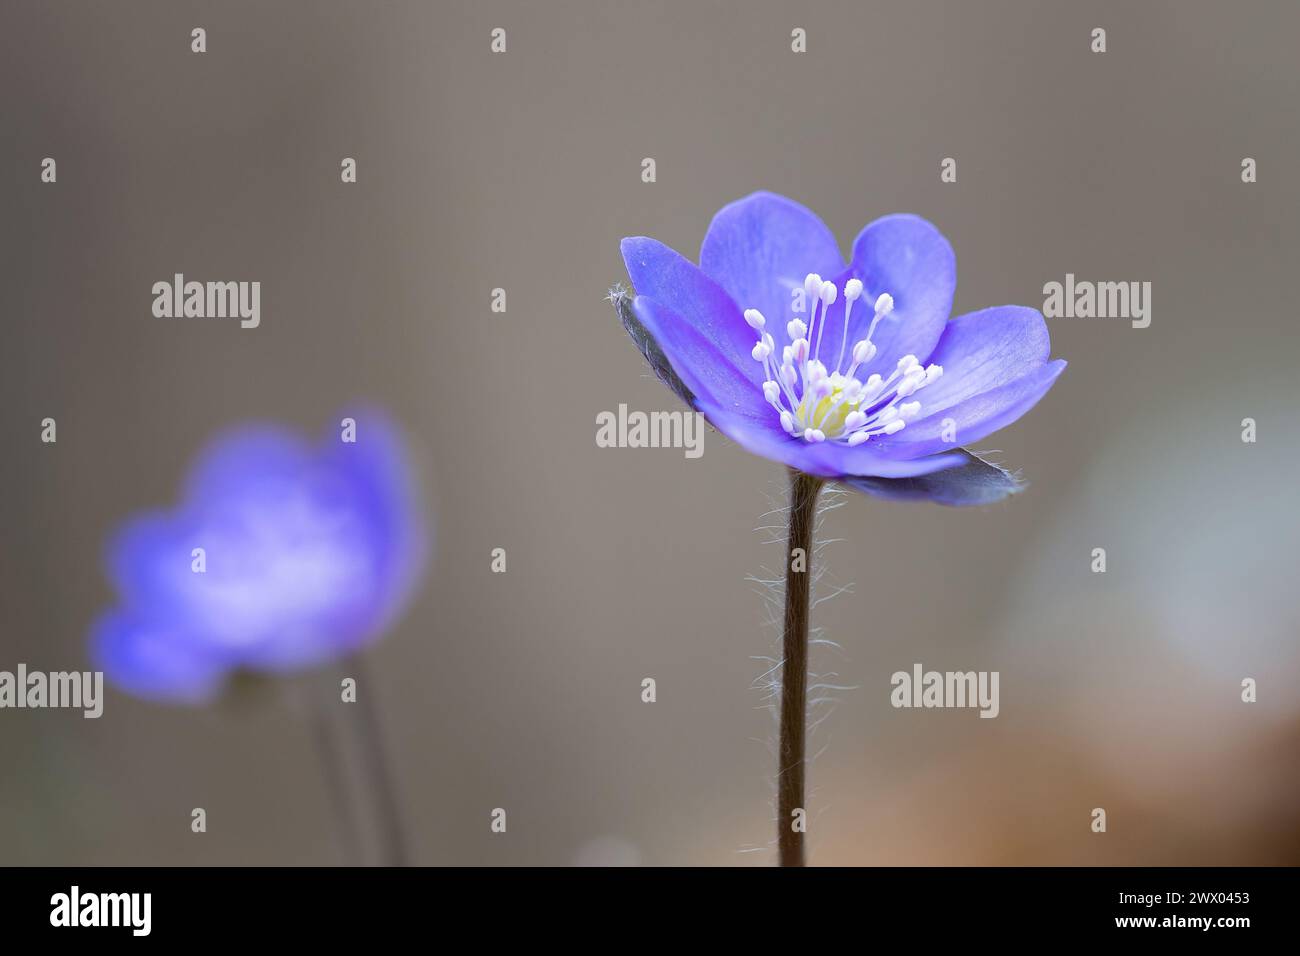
[{"x": 522, "y": 171}]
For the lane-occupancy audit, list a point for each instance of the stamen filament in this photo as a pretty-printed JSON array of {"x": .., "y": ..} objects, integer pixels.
[{"x": 818, "y": 405}]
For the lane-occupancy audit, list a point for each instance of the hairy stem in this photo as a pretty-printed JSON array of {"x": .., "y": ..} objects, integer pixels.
[{"x": 804, "y": 490}]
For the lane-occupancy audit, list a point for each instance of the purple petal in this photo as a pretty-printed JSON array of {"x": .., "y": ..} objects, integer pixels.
[
  {"x": 975, "y": 482},
  {"x": 761, "y": 248},
  {"x": 659, "y": 273},
  {"x": 710, "y": 375},
  {"x": 246, "y": 459},
  {"x": 911, "y": 260},
  {"x": 973, "y": 419},
  {"x": 835, "y": 458},
  {"x": 382, "y": 486},
  {"x": 149, "y": 561},
  {"x": 307, "y": 552},
  {"x": 982, "y": 350},
  {"x": 155, "y": 661},
  {"x": 825, "y": 459}
]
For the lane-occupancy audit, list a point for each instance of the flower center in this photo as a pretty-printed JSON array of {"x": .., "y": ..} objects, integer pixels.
[{"x": 817, "y": 404}]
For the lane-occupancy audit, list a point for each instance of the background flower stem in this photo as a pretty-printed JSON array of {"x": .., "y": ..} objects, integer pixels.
[
  {"x": 324, "y": 729},
  {"x": 378, "y": 770},
  {"x": 804, "y": 490}
]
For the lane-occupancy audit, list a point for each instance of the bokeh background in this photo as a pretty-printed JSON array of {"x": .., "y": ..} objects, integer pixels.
[{"x": 522, "y": 690}]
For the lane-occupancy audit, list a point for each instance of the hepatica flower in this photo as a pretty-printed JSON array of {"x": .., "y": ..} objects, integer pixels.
[
  {"x": 851, "y": 371},
  {"x": 848, "y": 371},
  {"x": 280, "y": 555}
]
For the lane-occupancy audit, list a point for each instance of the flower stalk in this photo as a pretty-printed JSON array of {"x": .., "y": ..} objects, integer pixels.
[
  {"x": 329, "y": 751},
  {"x": 379, "y": 774},
  {"x": 790, "y": 810}
]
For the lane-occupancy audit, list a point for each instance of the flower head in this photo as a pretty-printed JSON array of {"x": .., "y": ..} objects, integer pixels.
[
  {"x": 842, "y": 370},
  {"x": 279, "y": 556}
]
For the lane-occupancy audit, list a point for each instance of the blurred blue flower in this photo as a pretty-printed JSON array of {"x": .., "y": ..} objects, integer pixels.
[
  {"x": 858, "y": 376},
  {"x": 307, "y": 553}
]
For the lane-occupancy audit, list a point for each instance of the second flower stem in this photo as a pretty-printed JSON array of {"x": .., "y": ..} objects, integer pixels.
[
  {"x": 330, "y": 751},
  {"x": 378, "y": 770},
  {"x": 790, "y": 810}
]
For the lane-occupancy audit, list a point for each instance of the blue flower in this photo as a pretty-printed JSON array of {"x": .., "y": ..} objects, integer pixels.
[
  {"x": 847, "y": 371},
  {"x": 308, "y": 553}
]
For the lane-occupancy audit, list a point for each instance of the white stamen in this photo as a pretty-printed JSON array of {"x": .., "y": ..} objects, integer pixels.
[
  {"x": 873, "y": 387},
  {"x": 863, "y": 352},
  {"x": 821, "y": 403},
  {"x": 913, "y": 380},
  {"x": 884, "y": 306},
  {"x": 852, "y": 292},
  {"x": 828, "y": 295}
]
